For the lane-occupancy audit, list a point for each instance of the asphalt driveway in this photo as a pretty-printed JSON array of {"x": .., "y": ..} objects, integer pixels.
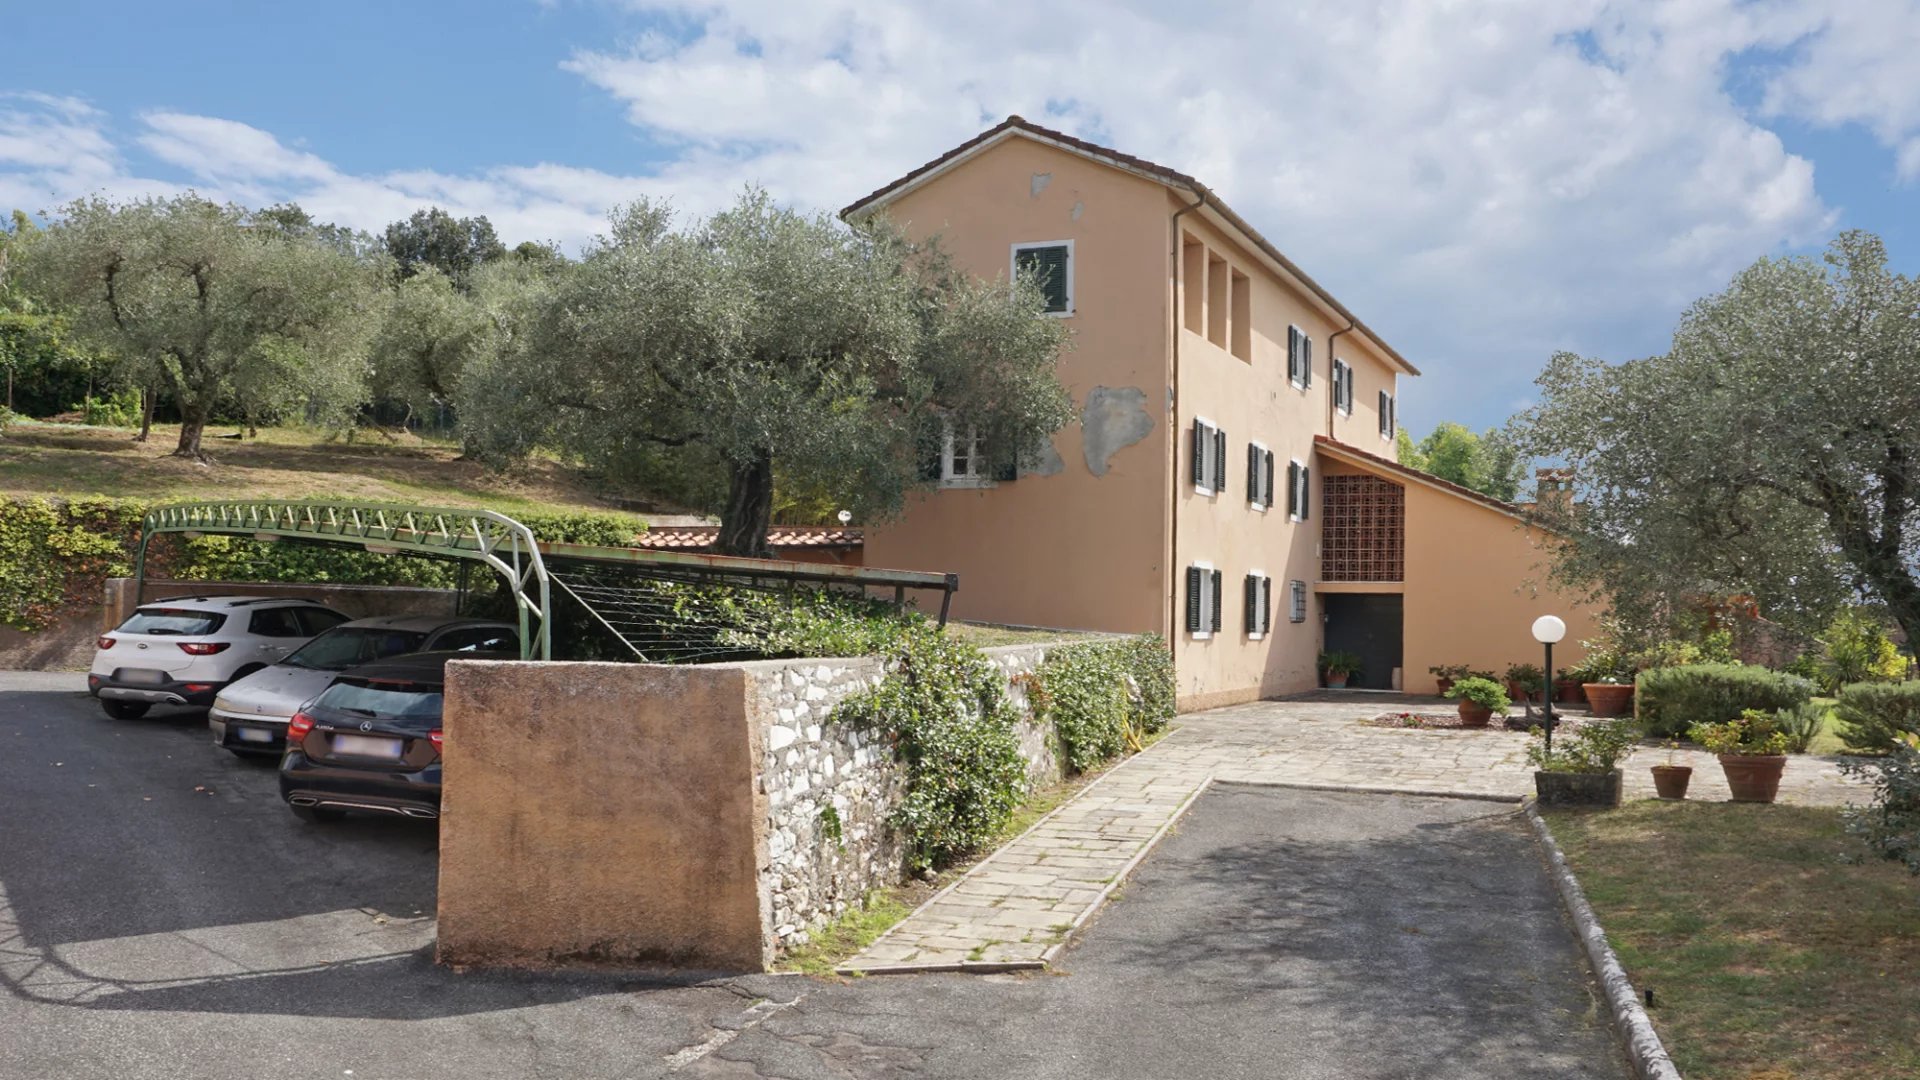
[{"x": 162, "y": 915}]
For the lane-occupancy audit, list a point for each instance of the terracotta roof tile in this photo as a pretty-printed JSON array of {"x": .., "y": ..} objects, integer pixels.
[
  {"x": 1349, "y": 450},
  {"x": 702, "y": 537}
]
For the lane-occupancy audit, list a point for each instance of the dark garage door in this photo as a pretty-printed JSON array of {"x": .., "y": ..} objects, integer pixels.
[{"x": 1367, "y": 625}]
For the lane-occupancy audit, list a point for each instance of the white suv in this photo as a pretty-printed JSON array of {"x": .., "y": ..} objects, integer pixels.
[{"x": 183, "y": 650}]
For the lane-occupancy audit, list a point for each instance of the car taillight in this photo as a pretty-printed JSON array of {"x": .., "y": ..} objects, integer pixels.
[
  {"x": 203, "y": 648},
  {"x": 298, "y": 727},
  {"x": 439, "y": 740},
  {"x": 104, "y": 641}
]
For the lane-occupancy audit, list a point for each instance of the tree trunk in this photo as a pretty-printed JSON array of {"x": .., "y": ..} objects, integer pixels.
[
  {"x": 193, "y": 423},
  {"x": 743, "y": 524},
  {"x": 149, "y": 397}
]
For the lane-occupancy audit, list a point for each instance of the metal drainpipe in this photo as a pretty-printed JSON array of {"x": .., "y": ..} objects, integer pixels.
[
  {"x": 1174, "y": 577},
  {"x": 1330, "y": 340}
]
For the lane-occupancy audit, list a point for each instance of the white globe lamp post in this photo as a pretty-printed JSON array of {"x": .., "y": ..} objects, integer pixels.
[{"x": 1548, "y": 629}]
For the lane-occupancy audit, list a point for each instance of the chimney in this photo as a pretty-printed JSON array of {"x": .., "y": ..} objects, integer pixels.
[{"x": 1553, "y": 491}]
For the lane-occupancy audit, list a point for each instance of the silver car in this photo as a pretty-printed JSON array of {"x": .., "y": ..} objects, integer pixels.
[{"x": 250, "y": 715}]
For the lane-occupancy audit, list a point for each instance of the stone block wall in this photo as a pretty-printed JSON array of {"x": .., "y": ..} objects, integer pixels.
[{"x": 831, "y": 788}]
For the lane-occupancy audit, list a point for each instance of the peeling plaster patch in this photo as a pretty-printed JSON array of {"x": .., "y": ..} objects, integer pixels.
[
  {"x": 1046, "y": 462},
  {"x": 1078, "y": 208},
  {"x": 1114, "y": 419},
  {"x": 1039, "y": 183}
]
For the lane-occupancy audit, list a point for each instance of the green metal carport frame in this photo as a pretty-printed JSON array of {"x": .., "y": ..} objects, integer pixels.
[{"x": 496, "y": 540}]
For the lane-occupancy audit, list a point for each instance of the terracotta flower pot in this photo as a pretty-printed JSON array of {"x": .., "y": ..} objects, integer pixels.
[
  {"x": 1753, "y": 777},
  {"x": 1671, "y": 780},
  {"x": 1475, "y": 716},
  {"x": 1335, "y": 682},
  {"x": 1444, "y": 684},
  {"x": 1609, "y": 699},
  {"x": 1518, "y": 692},
  {"x": 1567, "y": 692},
  {"x": 1577, "y": 789}
]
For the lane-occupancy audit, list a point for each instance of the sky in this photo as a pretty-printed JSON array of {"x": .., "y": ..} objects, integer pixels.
[{"x": 1485, "y": 182}]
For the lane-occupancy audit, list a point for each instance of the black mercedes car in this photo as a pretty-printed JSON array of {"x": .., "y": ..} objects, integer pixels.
[{"x": 371, "y": 740}]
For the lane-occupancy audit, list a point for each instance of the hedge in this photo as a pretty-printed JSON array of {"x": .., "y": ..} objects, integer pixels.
[
  {"x": 59, "y": 552},
  {"x": 1874, "y": 713},
  {"x": 1668, "y": 701}
]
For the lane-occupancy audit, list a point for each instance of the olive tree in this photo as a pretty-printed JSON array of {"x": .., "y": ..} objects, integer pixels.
[
  {"x": 1774, "y": 450},
  {"x": 218, "y": 308},
  {"x": 770, "y": 341}
]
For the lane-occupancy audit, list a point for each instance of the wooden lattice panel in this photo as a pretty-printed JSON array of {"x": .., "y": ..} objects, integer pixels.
[{"x": 1364, "y": 532}]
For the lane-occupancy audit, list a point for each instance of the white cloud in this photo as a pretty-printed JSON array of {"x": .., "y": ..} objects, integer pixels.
[{"x": 1484, "y": 180}]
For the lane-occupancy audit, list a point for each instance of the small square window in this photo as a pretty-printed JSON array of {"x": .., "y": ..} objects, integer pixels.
[{"x": 1050, "y": 264}]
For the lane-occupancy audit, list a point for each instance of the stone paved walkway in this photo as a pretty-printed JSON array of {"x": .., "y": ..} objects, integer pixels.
[{"x": 1016, "y": 907}]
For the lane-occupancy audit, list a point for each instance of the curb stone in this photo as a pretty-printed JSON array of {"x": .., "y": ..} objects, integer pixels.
[{"x": 1649, "y": 1055}]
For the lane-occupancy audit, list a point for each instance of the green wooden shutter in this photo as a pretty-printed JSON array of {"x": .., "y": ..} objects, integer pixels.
[
  {"x": 1306, "y": 490},
  {"x": 1193, "y": 598},
  {"x": 1306, "y": 360},
  {"x": 1250, "y": 594},
  {"x": 1199, "y": 453},
  {"x": 1266, "y": 605},
  {"x": 1266, "y": 480},
  {"x": 1216, "y": 601},
  {"x": 1253, "y": 474},
  {"x": 1220, "y": 461},
  {"x": 1386, "y": 413},
  {"x": 1048, "y": 266}
]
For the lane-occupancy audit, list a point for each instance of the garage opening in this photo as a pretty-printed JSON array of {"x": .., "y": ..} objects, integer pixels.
[{"x": 1367, "y": 625}]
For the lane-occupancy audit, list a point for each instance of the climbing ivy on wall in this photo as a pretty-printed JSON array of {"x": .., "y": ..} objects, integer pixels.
[{"x": 1104, "y": 697}]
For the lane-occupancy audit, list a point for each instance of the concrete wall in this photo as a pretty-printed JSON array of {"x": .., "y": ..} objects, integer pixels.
[
  {"x": 1079, "y": 539},
  {"x": 601, "y": 814},
  {"x": 640, "y": 814}
]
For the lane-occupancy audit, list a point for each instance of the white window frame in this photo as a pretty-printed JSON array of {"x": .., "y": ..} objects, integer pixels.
[
  {"x": 1013, "y": 270},
  {"x": 1296, "y": 601},
  {"x": 1342, "y": 386},
  {"x": 1260, "y": 635},
  {"x": 1251, "y": 504},
  {"x": 978, "y": 475},
  {"x": 1293, "y": 493},
  {"x": 1389, "y": 423},
  {"x": 1299, "y": 375},
  {"x": 1209, "y": 602},
  {"x": 1207, "y": 456}
]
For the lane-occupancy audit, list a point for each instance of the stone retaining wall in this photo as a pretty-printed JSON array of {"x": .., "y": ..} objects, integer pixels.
[{"x": 830, "y": 788}]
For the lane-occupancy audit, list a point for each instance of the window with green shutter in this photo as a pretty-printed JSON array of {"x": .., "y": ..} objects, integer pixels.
[{"x": 1050, "y": 265}]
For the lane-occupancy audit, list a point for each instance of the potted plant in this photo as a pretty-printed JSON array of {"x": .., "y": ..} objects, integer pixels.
[
  {"x": 1582, "y": 770},
  {"x": 1752, "y": 751},
  {"x": 1525, "y": 680},
  {"x": 1337, "y": 667},
  {"x": 1446, "y": 675},
  {"x": 1671, "y": 780},
  {"x": 1479, "y": 699},
  {"x": 1609, "y": 685},
  {"x": 1566, "y": 686}
]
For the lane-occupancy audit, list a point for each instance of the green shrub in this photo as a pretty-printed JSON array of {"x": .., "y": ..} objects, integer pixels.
[
  {"x": 1890, "y": 825},
  {"x": 1482, "y": 691},
  {"x": 1801, "y": 725},
  {"x": 1103, "y": 697},
  {"x": 119, "y": 410},
  {"x": 1876, "y": 714},
  {"x": 1594, "y": 747},
  {"x": 943, "y": 707},
  {"x": 1671, "y": 700},
  {"x": 53, "y": 554},
  {"x": 1858, "y": 650},
  {"x": 1753, "y": 732}
]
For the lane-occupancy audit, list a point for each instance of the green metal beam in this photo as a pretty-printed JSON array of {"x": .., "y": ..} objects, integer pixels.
[{"x": 478, "y": 535}]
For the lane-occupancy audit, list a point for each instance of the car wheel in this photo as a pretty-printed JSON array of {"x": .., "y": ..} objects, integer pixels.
[
  {"x": 313, "y": 815},
  {"x": 125, "y": 710}
]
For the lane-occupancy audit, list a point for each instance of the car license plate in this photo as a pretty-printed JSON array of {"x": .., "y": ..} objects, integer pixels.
[
  {"x": 253, "y": 734},
  {"x": 141, "y": 675},
  {"x": 366, "y": 746}
]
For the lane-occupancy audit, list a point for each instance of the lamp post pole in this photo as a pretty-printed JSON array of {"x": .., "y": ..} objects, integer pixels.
[{"x": 1546, "y": 694}]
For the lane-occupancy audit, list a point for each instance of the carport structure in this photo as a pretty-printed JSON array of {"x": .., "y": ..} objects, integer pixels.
[{"x": 625, "y": 591}]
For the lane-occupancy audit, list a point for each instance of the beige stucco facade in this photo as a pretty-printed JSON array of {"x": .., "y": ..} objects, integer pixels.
[{"x": 1180, "y": 313}]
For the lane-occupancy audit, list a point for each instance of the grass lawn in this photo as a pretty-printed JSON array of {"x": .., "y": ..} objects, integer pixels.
[
  {"x": 1777, "y": 947},
  {"x": 282, "y": 463},
  {"x": 1828, "y": 741}
]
